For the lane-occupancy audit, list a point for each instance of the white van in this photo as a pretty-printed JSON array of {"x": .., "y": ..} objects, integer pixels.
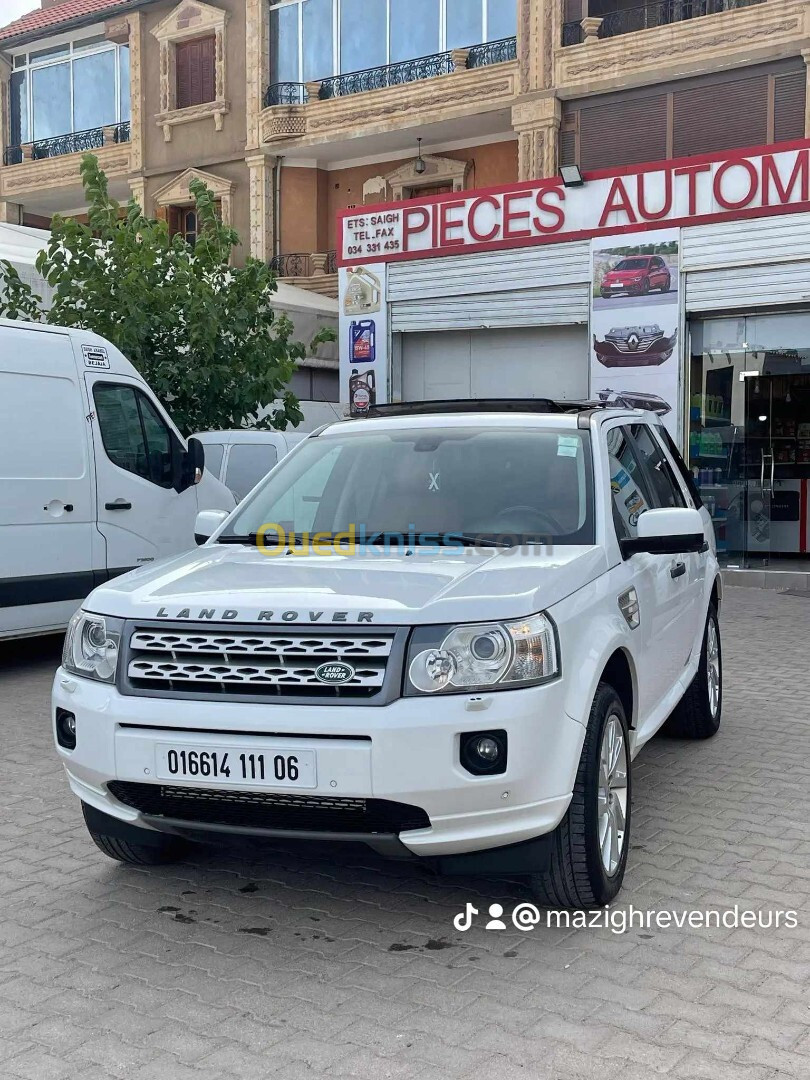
[
  {"x": 240, "y": 459},
  {"x": 95, "y": 479}
]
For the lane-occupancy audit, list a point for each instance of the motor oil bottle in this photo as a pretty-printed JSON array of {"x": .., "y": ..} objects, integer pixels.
[
  {"x": 362, "y": 392},
  {"x": 363, "y": 292},
  {"x": 363, "y": 342}
]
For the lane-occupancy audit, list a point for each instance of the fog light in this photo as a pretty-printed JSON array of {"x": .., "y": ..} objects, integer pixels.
[
  {"x": 483, "y": 753},
  {"x": 66, "y": 729}
]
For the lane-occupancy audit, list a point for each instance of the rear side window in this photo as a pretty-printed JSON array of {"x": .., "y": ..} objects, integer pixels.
[
  {"x": 247, "y": 464},
  {"x": 681, "y": 466},
  {"x": 134, "y": 434},
  {"x": 213, "y": 458},
  {"x": 629, "y": 487},
  {"x": 665, "y": 489}
]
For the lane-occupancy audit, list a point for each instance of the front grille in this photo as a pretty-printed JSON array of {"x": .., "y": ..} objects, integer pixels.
[
  {"x": 644, "y": 344},
  {"x": 260, "y": 810},
  {"x": 253, "y": 663}
]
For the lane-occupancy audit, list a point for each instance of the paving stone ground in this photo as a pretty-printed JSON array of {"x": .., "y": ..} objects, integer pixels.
[{"x": 309, "y": 961}]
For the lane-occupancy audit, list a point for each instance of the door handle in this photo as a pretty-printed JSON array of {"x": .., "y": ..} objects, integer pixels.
[
  {"x": 119, "y": 504},
  {"x": 677, "y": 570},
  {"x": 67, "y": 507}
]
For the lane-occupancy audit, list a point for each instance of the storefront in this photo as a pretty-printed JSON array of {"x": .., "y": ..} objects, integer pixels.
[{"x": 686, "y": 280}]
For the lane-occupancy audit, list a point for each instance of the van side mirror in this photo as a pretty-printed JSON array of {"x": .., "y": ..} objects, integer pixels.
[
  {"x": 675, "y": 531},
  {"x": 193, "y": 464},
  {"x": 207, "y": 523}
]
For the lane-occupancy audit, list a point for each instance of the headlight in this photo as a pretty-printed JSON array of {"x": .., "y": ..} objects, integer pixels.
[
  {"x": 92, "y": 644},
  {"x": 484, "y": 656}
]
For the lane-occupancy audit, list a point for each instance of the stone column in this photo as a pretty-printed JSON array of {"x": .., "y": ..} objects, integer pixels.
[
  {"x": 537, "y": 123},
  {"x": 539, "y": 33},
  {"x": 11, "y": 213},
  {"x": 257, "y": 58},
  {"x": 261, "y": 206},
  {"x": 590, "y": 29},
  {"x": 137, "y": 185}
]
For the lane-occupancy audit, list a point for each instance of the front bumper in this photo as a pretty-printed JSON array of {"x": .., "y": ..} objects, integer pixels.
[{"x": 405, "y": 752}]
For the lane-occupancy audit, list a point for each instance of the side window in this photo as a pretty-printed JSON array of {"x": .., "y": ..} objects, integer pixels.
[
  {"x": 630, "y": 494},
  {"x": 247, "y": 464},
  {"x": 681, "y": 466},
  {"x": 134, "y": 434},
  {"x": 666, "y": 490},
  {"x": 213, "y": 458}
]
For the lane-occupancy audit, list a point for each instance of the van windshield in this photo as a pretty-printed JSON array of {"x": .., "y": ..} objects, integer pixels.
[{"x": 527, "y": 486}]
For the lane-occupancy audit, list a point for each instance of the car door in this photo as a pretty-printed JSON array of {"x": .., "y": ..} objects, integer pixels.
[
  {"x": 659, "y": 584},
  {"x": 46, "y": 488},
  {"x": 141, "y": 515}
]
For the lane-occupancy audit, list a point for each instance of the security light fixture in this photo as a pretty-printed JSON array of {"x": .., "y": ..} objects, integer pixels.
[
  {"x": 420, "y": 165},
  {"x": 571, "y": 175}
]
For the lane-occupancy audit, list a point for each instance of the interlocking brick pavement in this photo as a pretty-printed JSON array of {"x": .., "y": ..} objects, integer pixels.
[{"x": 306, "y": 961}]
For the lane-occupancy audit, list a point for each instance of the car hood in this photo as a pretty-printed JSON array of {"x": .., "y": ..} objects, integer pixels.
[
  {"x": 241, "y": 585},
  {"x": 623, "y": 275}
]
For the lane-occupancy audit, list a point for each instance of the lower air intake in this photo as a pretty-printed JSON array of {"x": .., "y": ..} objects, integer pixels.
[{"x": 261, "y": 810}]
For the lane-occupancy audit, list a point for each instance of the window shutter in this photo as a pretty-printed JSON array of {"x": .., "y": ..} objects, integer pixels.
[
  {"x": 195, "y": 65},
  {"x": 721, "y": 116},
  {"x": 568, "y": 147},
  {"x": 623, "y": 132},
  {"x": 788, "y": 107}
]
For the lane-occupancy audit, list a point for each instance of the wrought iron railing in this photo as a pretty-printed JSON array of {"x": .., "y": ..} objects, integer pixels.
[
  {"x": 331, "y": 262},
  {"x": 285, "y": 93},
  {"x": 74, "y": 143},
  {"x": 296, "y": 265},
  {"x": 406, "y": 71},
  {"x": 122, "y": 133},
  {"x": 492, "y": 52},
  {"x": 647, "y": 16}
]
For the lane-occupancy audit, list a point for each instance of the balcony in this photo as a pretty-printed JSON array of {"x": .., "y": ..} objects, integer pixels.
[
  {"x": 478, "y": 78},
  {"x": 46, "y": 165},
  {"x": 617, "y": 20},
  {"x": 77, "y": 142},
  {"x": 671, "y": 39},
  {"x": 316, "y": 272}
]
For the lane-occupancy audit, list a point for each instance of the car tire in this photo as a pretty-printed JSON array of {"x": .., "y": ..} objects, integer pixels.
[
  {"x": 579, "y": 875},
  {"x": 698, "y": 714},
  {"x": 644, "y": 288},
  {"x": 607, "y": 295},
  {"x": 123, "y": 844},
  {"x": 668, "y": 286}
]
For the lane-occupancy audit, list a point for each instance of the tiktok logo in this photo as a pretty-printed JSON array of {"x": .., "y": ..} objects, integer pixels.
[{"x": 463, "y": 921}]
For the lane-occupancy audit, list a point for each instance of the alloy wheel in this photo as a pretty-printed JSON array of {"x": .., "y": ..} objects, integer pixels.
[
  {"x": 713, "y": 673},
  {"x": 612, "y": 795}
]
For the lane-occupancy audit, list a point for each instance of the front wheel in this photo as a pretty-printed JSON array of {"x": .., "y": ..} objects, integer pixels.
[
  {"x": 697, "y": 716},
  {"x": 589, "y": 847}
]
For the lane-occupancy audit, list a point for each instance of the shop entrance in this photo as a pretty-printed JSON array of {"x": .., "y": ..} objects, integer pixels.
[{"x": 749, "y": 439}]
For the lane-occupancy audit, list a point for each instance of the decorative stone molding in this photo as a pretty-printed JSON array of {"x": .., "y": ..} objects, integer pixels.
[
  {"x": 261, "y": 206},
  {"x": 190, "y": 19},
  {"x": 738, "y": 37},
  {"x": 30, "y": 177},
  {"x": 11, "y": 213},
  {"x": 177, "y": 193},
  {"x": 375, "y": 190},
  {"x": 136, "y": 94},
  {"x": 539, "y": 26},
  {"x": 590, "y": 29},
  {"x": 438, "y": 170},
  {"x": 459, "y": 58},
  {"x": 257, "y": 53},
  {"x": 426, "y": 101},
  {"x": 137, "y": 186},
  {"x": 537, "y": 122},
  {"x": 117, "y": 30}
]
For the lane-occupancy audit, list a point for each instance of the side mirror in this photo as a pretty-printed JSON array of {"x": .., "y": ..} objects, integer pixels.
[
  {"x": 667, "y": 532},
  {"x": 193, "y": 464},
  {"x": 207, "y": 523}
]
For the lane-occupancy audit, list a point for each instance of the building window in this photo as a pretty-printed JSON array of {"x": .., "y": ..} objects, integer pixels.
[
  {"x": 77, "y": 86},
  {"x": 195, "y": 67},
  {"x": 316, "y": 39},
  {"x": 183, "y": 221}
]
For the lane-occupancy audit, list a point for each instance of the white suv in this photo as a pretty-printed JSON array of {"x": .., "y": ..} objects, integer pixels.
[{"x": 444, "y": 631}]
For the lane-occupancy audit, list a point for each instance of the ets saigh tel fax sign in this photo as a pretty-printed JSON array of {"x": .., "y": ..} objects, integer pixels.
[{"x": 681, "y": 192}]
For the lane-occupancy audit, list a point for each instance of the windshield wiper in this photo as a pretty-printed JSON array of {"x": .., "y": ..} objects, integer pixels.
[{"x": 412, "y": 538}]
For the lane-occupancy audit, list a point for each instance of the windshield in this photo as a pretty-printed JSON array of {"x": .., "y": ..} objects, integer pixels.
[
  {"x": 527, "y": 486},
  {"x": 632, "y": 264}
]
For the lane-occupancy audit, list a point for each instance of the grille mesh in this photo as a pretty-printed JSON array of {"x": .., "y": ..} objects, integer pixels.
[
  {"x": 263, "y": 810},
  {"x": 246, "y": 663}
]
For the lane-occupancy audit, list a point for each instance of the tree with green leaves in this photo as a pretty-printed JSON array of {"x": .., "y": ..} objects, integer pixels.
[{"x": 202, "y": 332}]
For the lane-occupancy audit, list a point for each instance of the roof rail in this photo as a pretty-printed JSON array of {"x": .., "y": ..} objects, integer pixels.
[{"x": 475, "y": 405}]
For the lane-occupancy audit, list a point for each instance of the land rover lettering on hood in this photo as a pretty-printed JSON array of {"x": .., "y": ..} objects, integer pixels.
[{"x": 438, "y": 630}]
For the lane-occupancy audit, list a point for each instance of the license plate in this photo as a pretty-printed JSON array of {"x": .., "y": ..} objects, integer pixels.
[
  {"x": 617, "y": 286},
  {"x": 237, "y": 766}
]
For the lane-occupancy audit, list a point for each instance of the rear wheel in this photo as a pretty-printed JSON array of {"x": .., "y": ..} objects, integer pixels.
[
  {"x": 589, "y": 847},
  {"x": 697, "y": 716},
  {"x": 129, "y": 844}
]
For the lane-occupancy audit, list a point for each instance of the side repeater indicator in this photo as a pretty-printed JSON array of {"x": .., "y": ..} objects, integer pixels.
[{"x": 628, "y": 605}]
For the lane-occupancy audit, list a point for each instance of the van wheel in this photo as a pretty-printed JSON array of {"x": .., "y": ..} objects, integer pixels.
[
  {"x": 697, "y": 715},
  {"x": 589, "y": 847},
  {"x": 125, "y": 847}
]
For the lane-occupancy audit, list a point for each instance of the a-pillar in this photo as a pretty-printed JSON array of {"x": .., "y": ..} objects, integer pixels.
[
  {"x": 537, "y": 123},
  {"x": 261, "y": 205}
]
